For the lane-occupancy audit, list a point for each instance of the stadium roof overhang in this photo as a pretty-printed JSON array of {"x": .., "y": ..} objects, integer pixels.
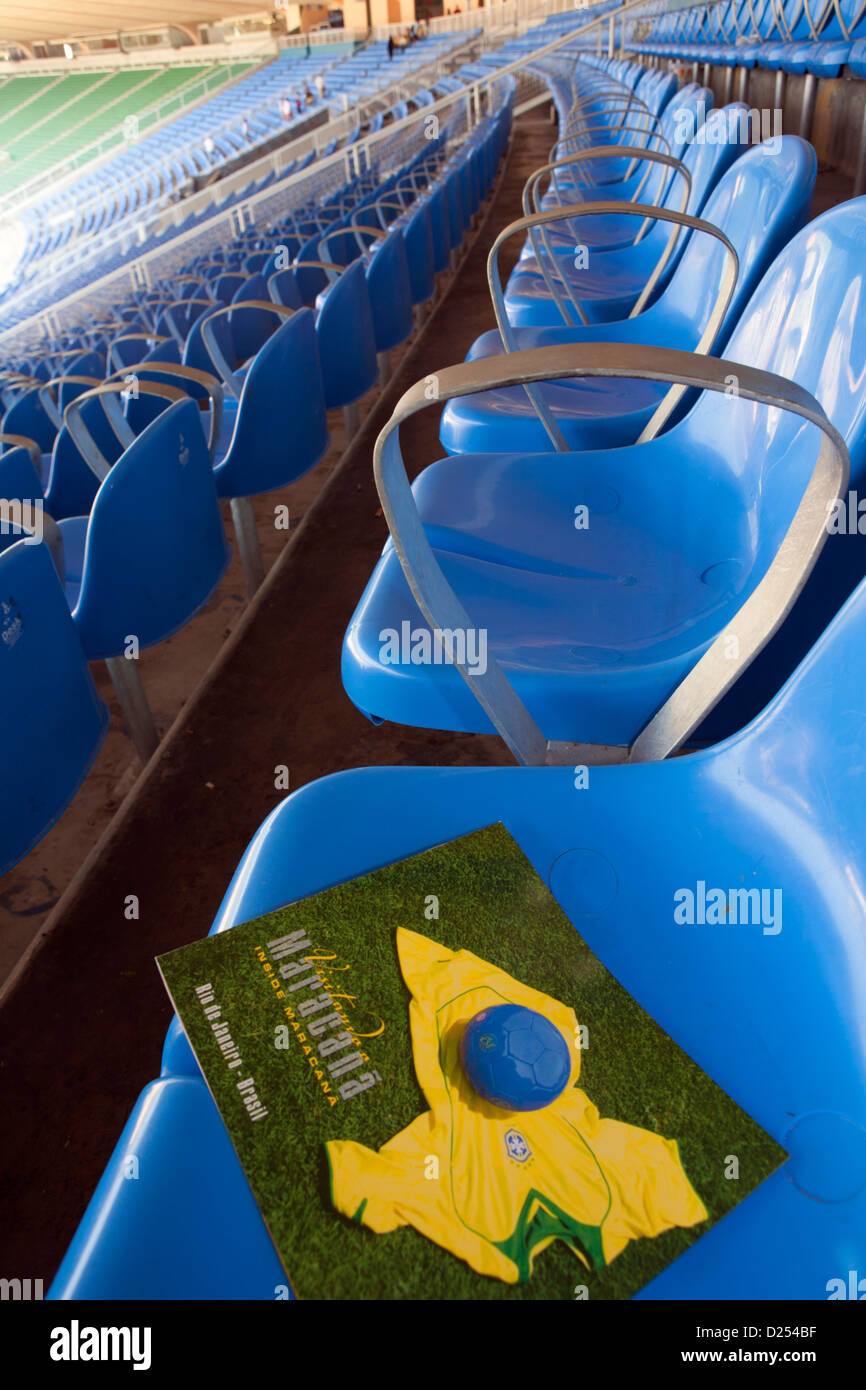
[{"x": 34, "y": 20}]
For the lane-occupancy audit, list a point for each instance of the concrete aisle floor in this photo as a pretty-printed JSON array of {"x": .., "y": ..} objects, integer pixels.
[{"x": 82, "y": 1031}]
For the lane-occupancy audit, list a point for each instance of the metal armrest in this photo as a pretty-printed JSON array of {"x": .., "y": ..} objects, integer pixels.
[
  {"x": 23, "y": 441},
  {"x": 678, "y": 219},
  {"x": 391, "y": 203},
  {"x": 109, "y": 392},
  {"x": 753, "y": 625},
  {"x": 530, "y": 199},
  {"x": 229, "y": 377},
  {"x": 557, "y": 152},
  {"x": 347, "y": 231},
  {"x": 133, "y": 338},
  {"x": 204, "y": 379},
  {"x": 623, "y": 108},
  {"x": 171, "y": 305},
  {"x": 380, "y": 233},
  {"x": 48, "y": 400}
]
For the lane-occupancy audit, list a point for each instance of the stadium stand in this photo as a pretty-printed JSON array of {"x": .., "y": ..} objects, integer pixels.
[
  {"x": 672, "y": 371},
  {"x": 91, "y": 105},
  {"x": 94, "y": 223}
]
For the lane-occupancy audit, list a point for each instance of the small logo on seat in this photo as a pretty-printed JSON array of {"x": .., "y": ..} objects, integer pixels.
[{"x": 10, "y": 622}]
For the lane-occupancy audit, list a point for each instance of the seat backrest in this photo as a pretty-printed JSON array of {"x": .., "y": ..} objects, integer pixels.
[
  {"x": 156, "y": 547},
  {"x": 710, "y": 155},
  {"x": 254, "y": 287},
  {"x": 310, "y": 280},
  {"x": 250, "y": 325},
  {"x": 347, "y": 338},
  {"x": 281, "y": 429},
  {"x": 682, "y": 118},
  {"x": 418, "y": 235},
  {"x": 283, "y": 289},
  {"x": 18, "y": 477},
  {"x": 390, "y": 292},
  {"x": 805, "y": 321},
  {"x": 195, "y": 352},
  {"x": 759, "y": 204},
  {"x": 72, "y": 485},
  {"x": 656, "y": 89},
  {"x": 224, "y": 287},
  {"x": 29, "y": 417},
  {"x": 52, "y": 716}
]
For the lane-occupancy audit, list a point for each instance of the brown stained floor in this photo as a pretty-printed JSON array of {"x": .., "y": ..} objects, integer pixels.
[{"x": 82, "y": 1032}]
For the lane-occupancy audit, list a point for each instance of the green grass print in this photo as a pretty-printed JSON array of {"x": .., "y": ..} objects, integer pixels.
[{"x": 492, "y": 903}]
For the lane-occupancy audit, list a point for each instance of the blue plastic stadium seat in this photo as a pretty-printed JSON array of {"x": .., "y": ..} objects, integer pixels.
[
  {"x": 732, "y": 814},
  {"x": 53, "y": 718},
  {"x": 596, "y": 632}
]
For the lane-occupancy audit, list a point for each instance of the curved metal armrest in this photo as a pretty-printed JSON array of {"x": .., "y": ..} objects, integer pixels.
[
  {"x": 343, "y": 231},
  {"x": 171, "y": 305},
  {"x": 650, "y": 122},
  {"x": 557, "y": 151},
  {"x": 753, "y": 625},
  {"x": 530, "y": 201},
  {"x": 678, "y": 219},
  {"x": 23, "y": 441},
  {"x": 321, "y": 265},
  {"x": 133, "y": 338},
  {"x": 229, "y": 377},
  {"x": 48, "y": 400},
  {"x": 109, "y": 392},
  {"x": 391, "y": 203},
  {"x": 646, "y": 210},
  {"x": 624, "y": 108},
  {"x": 205, "y": 379},
  {"x": 380, "y": 233}
]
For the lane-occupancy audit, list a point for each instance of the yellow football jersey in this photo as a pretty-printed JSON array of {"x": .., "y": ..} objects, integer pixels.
[{"x": 497, "y": 1187}]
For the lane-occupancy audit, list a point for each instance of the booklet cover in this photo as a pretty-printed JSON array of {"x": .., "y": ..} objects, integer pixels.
[{"x": 437, "y": 1091}]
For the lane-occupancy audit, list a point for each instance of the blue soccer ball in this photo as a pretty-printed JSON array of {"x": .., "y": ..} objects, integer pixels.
[{"x": 515, "y": 1058}]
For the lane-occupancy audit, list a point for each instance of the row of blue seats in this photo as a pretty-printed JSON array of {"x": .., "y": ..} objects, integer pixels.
[
  {"x": 623, "y": 586},
  {"x": 773, "y": 34},
  {"x": 118, "y": 447}
]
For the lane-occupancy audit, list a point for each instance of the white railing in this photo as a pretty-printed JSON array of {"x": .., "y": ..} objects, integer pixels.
[
  {"x": 217, "y": 194},
  {"x": 385, "y": 150},
  {"x": 190, "y": 55},
  {"x": 320, "y": 37}
]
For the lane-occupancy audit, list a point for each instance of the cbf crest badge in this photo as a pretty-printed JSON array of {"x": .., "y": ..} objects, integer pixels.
[{"x": 517, "y": 1146}]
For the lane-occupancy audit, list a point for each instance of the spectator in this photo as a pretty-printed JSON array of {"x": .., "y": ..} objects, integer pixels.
[
  {"x": 308, "y": 96},
  {"x": 319, "y": 83},
  {"x": 390, "y": 46},
  {"x": 285, "y": 108},
  {"x": 298, "y": 101},
  {"x": 245, "y": 129},
  {"x": 209, "y": 148}
]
